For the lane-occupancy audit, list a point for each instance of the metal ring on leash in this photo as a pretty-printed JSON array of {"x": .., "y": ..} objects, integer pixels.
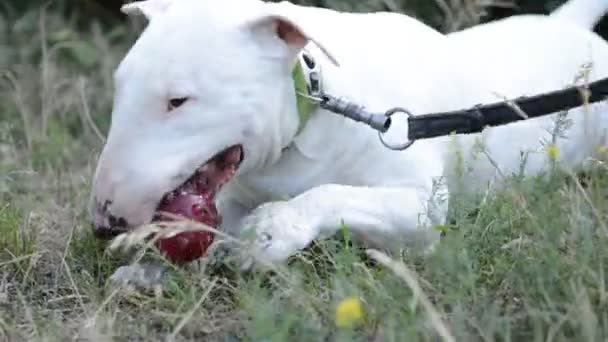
[{"x": 403, "y": 146}]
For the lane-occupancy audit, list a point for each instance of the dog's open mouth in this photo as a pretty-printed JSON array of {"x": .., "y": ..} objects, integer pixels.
[{"x": 195, "y": 200}]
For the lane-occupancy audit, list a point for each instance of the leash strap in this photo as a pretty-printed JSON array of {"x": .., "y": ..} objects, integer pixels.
[
  {"x": 466, "y": 121},
  {"x": 476, "y": 119}
]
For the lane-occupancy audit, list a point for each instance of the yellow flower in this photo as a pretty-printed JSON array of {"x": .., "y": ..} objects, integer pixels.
[
  {"x": 553, "y": 152},
  {"x": 602, "y": 149},
  {"x": 349, "y": 312}
]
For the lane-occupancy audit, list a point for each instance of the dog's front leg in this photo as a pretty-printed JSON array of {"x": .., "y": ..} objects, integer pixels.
[{"x": 393, "y": 215}]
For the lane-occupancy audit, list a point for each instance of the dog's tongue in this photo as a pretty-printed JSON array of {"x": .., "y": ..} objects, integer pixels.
[{"x": 194, "y": 201}]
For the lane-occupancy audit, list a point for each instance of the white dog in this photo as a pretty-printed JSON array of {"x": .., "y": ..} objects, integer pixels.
[{"x": 216, "y": 76}]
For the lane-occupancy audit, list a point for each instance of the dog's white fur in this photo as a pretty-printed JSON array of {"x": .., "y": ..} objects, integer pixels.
[{"x": 227, "y": 58}]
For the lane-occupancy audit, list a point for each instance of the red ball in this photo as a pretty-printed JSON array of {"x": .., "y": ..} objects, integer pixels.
[
  {"x": 185, "y": 247},
  {"x": 188, "y": 246}
]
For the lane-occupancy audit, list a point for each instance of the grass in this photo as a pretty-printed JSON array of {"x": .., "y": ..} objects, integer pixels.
[{"x": 527, "y": 264}]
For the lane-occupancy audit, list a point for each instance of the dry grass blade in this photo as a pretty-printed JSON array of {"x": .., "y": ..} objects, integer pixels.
[
  {"x": 594, "y": 210},
  {"x": 460, "y": 14},
  {"x": 411, "y": 280},
  {"x": 86, "y": 112},
  {"x": 190, "y": 313},
  {"x": 18, "y": 259},
  {"x": 73, "y": 283},
  {"x": 147, "y": 235},
  {"x": 513, "y": 105},
  {"x": 90, "y": 322},
  {"x": 152, "y": 232},
  {"x": 24, "y": 111}
]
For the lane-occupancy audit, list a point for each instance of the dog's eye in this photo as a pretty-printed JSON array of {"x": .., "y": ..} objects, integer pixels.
[{"x": 176, "y": 103}]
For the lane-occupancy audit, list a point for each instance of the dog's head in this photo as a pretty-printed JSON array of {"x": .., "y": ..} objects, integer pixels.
[{"x": 205, "y": 90}]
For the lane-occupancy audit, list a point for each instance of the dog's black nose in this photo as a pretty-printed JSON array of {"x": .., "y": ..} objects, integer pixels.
[
  {"x": 105, "y": 225},
  {"x": 116, "y": 227},
  {"x": 107, "y": 233}
]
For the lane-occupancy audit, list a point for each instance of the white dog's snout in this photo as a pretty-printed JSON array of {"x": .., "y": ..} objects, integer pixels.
[{"x": 106, "y": 225}]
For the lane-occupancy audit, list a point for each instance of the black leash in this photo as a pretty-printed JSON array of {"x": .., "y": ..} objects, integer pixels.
[{"x": 472, "y": 120}]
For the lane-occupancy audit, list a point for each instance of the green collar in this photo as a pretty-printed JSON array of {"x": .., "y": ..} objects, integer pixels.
[{"x": 305, "y": 105}]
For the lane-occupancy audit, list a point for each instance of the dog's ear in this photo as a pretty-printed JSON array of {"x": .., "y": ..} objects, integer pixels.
[
  {"x": 148, "y": 8},
  {"x": 292, "y": 34}
]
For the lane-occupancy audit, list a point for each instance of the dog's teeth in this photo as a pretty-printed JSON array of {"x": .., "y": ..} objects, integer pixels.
[{"x": 170, "y": 196}]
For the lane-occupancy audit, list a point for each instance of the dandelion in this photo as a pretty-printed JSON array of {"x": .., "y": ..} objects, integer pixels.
[
  {"x": 553, "y": 152},
  {"x": 349, "y": 312}
]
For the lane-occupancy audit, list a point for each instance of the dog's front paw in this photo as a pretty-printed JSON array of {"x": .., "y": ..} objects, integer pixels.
[{"x": 276, "y": 231}]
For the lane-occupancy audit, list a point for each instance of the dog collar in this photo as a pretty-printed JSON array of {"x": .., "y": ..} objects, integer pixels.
[{"x": 307, "y": 84}]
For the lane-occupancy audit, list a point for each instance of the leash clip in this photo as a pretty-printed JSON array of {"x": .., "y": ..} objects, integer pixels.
[
  {"x": 312, "y": 73},
  {"x": 355, "y": 112},
  {"x": 315, "y": 93}
]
